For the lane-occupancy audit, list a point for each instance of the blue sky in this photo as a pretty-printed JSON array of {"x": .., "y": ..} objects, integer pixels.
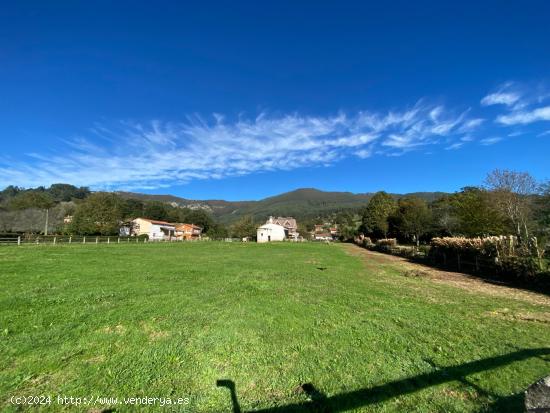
[{"x": 242, "y": 100}]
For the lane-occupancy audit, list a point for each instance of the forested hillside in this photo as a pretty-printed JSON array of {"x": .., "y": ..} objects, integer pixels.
[{"x": 507, "y": 203}]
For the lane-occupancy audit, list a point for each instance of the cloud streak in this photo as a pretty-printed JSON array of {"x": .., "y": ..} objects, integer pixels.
[
  {"x": 525, "y": 117},
  {"x": 130, "y": 155},
  {"x": 157, "y": 154}
]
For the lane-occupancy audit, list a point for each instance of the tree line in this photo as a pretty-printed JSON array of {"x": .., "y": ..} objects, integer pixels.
[{"x": 508, "y": 202}]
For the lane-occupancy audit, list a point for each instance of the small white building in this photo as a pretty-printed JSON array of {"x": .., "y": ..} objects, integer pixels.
[{"x": 270, "y": 232}]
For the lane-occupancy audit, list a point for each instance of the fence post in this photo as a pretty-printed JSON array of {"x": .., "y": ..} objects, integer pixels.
[
  {"x": 84, "y": 240},
  {"x": 128, "y": 239},
  {"x": 118, "y": 240},
  {"x": 108, "y": 240},
  {"x": 54, "y": 240},
  {"x": 70, "y": 239},
  {"x": 37, "y": 240},
  {"x": 96, "y": 240},
  {"x": 19, "y": 240}
]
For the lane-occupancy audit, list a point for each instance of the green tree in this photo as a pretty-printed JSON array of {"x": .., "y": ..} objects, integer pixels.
[
  {"x": 66, "y": 192},
  {"x": 34, "y": 199},
  {"x": 374, "y": 221},
  {"x": 445, "y": 219},
  {"x": 542, "y": 211},
  {"x": 475, "y": 213},
  {"x": 178, "y": 214},
  {"x": 100, "y": 213},
  {"x": 245, "y": 227},
  {"x": 9, "y": 192},
  {"x": 412, "y": 218},
  {"x": 201, "y": 218},
  {"x": 133, "y": 208},
  {"x": 156, "y": 210},
  {"x": 347, "y": 223},
  {"x": 217, "y": 231}
]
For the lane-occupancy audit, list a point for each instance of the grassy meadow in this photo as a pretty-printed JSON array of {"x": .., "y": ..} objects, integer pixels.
[{"x": 295, "y": 327}]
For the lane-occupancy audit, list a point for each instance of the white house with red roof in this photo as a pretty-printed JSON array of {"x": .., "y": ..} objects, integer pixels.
[{"x": 156, "y": 230}]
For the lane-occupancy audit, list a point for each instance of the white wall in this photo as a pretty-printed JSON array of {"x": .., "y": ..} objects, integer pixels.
[
  {"x": 157, "y": 233},
  {"x": 270, "y": 232}
]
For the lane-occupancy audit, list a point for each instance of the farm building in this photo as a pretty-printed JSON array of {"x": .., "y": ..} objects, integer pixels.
[
  {"x": 270, "y": 232},
  {"x": 156, "y": 230}
]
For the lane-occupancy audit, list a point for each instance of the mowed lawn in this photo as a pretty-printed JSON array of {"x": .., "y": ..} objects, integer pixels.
[{"x": 169, "y": 320}]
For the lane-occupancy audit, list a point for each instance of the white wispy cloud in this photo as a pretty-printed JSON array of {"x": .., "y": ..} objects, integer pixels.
[
  {"x": 523, "y": 103},
  {"x": 507, "y": 94},
  {"x": 525, "y": 116},
  {"x": 156, "y": 154},
  {"x": 500, "y": 98},
  {"x": 454, "y": 146},
  {"x": 490, "y": 141}
]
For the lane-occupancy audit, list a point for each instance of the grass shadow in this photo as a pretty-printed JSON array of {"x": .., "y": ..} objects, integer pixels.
[{"x": 320, "y": 403}]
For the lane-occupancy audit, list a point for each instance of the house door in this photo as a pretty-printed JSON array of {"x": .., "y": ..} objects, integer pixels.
[{"x": 269, "y": 238}]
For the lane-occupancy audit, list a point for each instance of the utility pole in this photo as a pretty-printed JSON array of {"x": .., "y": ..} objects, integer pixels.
[{"x": 47, "y": 219}]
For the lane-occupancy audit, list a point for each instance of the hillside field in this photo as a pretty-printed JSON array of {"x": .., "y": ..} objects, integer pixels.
[{"x": 296, "y": 327}]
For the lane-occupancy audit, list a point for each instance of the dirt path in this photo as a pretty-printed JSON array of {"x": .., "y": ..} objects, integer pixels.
[{"x": 374, "y": 259}]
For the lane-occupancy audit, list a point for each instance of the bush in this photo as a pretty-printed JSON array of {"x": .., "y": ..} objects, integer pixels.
[
  {"x": 367, "y": 242},
  {"x": 496, "y": 256},
  {"x": 386, "y": 242},
  {"x": 502, "y": 246}
]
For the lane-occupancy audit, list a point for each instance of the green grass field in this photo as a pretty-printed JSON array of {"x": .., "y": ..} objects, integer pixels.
[{"x": 169, "y": 320}]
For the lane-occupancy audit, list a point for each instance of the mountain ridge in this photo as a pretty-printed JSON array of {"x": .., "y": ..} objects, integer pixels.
[{"x": 300, "y": 203}]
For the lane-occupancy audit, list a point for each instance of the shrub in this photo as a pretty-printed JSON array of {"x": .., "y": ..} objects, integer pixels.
[
  {"x": 502, "y": 246},
  {"x": 386, "y": 242},
  {"x": 367, "y": 242}
]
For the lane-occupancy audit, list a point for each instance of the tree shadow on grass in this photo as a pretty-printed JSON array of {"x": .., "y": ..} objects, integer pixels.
[{"x": 320, "y": 403}]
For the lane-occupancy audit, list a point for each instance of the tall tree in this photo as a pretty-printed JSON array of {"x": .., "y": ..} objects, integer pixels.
[
  {"x": 511, "y": 192},
  {"x": 475, "y": 213},
  {"x": 201, "y": 218},
  {"x": 374, "y": 221},
  {"x": 66, "y": 192},
  {"x": 38, "y": 199},
  {"x": 245, "y": 227},
  {"x": 133, "y": 208},
  {"x": 445, "y": 218},
  {"x": 412, "y": 218},
  {"x": 100, "y": 213},
  {"x": 156, "y": 210},
  {"x": 542, "y": 211}
]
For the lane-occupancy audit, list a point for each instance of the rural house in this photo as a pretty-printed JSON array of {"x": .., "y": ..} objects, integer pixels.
[
  {"x": 156, "y": 230},
  {"x": 325, "y": 232},
  {"x": 188, "y": 231},
  {"x": 288, "y": 223}
]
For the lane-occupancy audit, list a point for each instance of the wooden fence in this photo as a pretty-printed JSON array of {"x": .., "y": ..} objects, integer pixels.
[{"x": 67, "y": 239}]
